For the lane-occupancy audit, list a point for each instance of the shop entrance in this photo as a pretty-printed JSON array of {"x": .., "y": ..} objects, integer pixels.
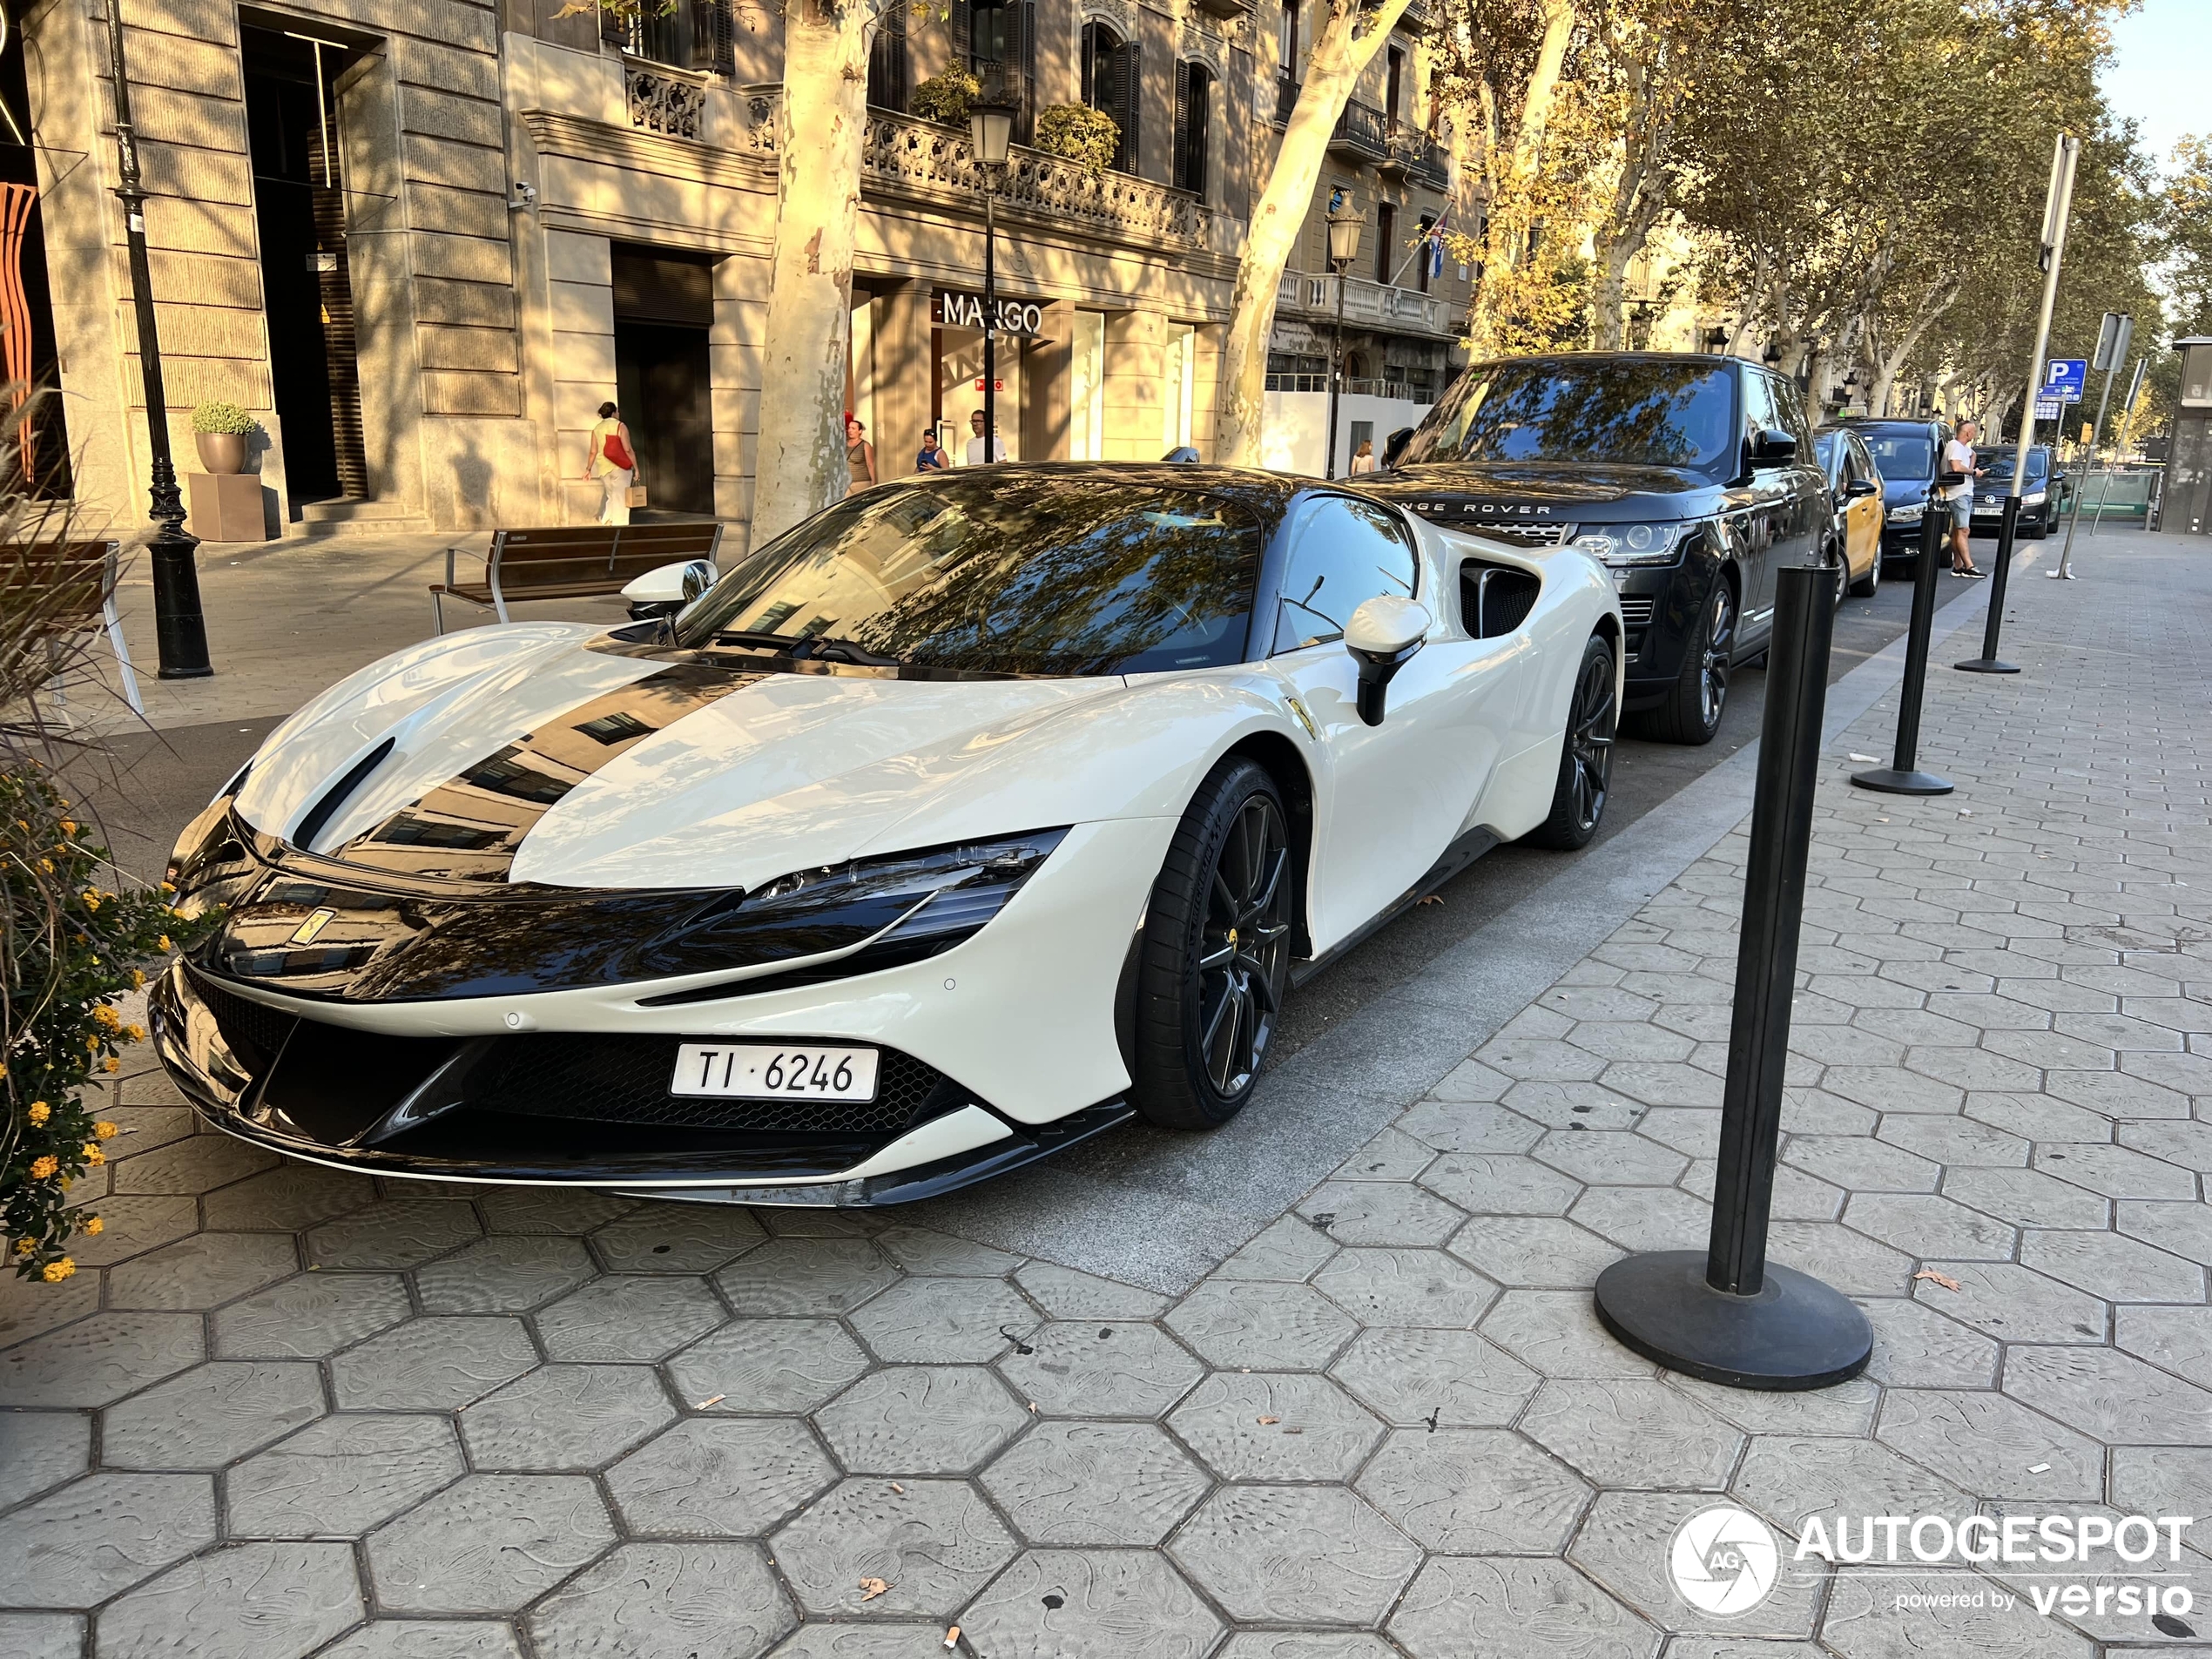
[
  {"x": 664, "y": 304},
  {"x": 300, "y": 208}
]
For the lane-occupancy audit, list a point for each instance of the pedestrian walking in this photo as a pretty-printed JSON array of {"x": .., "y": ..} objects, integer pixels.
[
  {"x": 614, "y": 463},
  {"x": 976, "y": 443},
  {"x": 1958, "y": 457},
  {"x": 932, "y": 456},
  {"x": 1364, "y": 460},
  {"x": 860, "y": 455}
]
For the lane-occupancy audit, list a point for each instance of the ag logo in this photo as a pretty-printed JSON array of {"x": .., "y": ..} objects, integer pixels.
[{"x": 1724, "y": 1561}]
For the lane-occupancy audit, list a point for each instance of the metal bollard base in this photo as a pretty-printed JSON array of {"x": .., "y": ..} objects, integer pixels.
[
  {"x": 1796, "y": 1333},
  {"x": 1987, "y": 665},
  {"x": 1890, "y": 781}
]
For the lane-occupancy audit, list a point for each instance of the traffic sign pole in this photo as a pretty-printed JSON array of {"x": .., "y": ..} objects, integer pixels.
[{"x": 2112, "y": 351}]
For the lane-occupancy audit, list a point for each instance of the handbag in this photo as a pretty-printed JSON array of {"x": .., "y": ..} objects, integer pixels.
[{"x": 637, "y": 493}]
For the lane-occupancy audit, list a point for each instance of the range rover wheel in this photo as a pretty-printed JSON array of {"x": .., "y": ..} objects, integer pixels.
[
  {"x": 1692, "y": 711},
  {"x": 1586, "y": 762},
  {"x": 1216, "y": 952}
]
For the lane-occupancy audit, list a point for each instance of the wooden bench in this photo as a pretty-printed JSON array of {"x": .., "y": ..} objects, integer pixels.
[
  {"x": 576, "y": 562},
  {"x": 75, "y": 582}
]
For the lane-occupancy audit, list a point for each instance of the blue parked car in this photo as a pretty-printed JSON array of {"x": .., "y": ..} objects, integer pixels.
[{"x": 1908, "y": 453}]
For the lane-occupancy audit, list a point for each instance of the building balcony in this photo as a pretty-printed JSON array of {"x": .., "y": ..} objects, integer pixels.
[
  {"x": 1362, "y": 133},
  {"x": 1368, "y": 305},
  {"x": 1227, "y": 10},
  {"x": 1286, "y": 90},
  {"x": 1415, "y": 156}
]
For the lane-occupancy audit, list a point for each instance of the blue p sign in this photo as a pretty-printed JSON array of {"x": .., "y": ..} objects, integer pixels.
[{"x": 2065, "y": 379}]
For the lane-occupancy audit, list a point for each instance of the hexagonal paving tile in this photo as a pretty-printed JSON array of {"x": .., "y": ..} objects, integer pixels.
[
  {"x": 573, "y": 1211},
  {"x": 428, "y": 1639},
  {"x": 1787, "y": 1477},
  {"x": 1611, "y": 1157},
  {"x": 341, "y": 1475},
  {"x": 1307, "y": 1644},
  {"x": 820, "y": 1639},
  {"x": 1915, "y": 1346},
  {"x": 1863, "y": 1623},
  {"x": 1557, "y": 1332},
  {"x": 566, "y": 1417},
  {"x": 924, "y": 1250},
  {"x": 1536, "y": 1251},
  {"x": 1624, "y": 1543},
  {"x": 1280, "y": 1328},
  {"x": 1447, "y": 1378},
  {"x": 1473, "y": 1491},
  {"x": 1280, "y": 1426},
  {"x": 934, "y": 1543},
  {"x": 210, "y": 1415},
  {"x": 1927, "y": 1225},
  {"x": 1644, "y": 1217},
  {"x": 627, "y": 1316},
  {"x": 1991, "y": 1445},
  {"x": 1066, "y": 1294},
  {"x": 196, "y": 1164},
  {"x": 920, "y": 1419},
  {"x": 2114, "y": 1268},
  {"x": 1289, "y": 1248},
  {"x": 790, "y": 1278},
  {"x": 677, "y": 1238},
  {"x": 489, "y": 1544},
  {"x": 100, "y": 1358},
  {"x": 394, "y": 1233},
  {"x": 944, "y": 1321},
  {"x": 40, "y": 1449},
  {"x": 129, "y": 1225},
  {"x": 767, "y": 1365},
  {"x": 2115, "y": 1171},
  {"x": 1090, "y": 1604},
  {"x": 96, "y": 1537},
  {"x": 310, "y": 1315},
  {"x": 1379, "y": 1212},
  {"x": 270, "y": 1602},
  {"x": 1076, "y": 1368},
  {"x": 1501, "y": 1183},
  {"x": 432, "y": 1365},
  {"x": 2113, "y": 1396},
  {"x": 1330, "y": 1560},
  {"x": 1095, "y": 1483},
  {"x": 666, "y": 1600},
  {"x": 43, "y": 1636},
  {"x": 1626, "y": 1431},
  {"x": 1469, "y": 1126},
  {"x": 2014, "y": 1304},
  {"x": 711, "y": 1477},
  {"x": 2028, "y": 1199},
  {"x": 1400, "y": 1286},
  {"x": 289, "y": 1199},
  {"x": 506, "y": 1273},
  {"x": 2175, "y": 1339},
  {"x": 202, "y": 1271}
]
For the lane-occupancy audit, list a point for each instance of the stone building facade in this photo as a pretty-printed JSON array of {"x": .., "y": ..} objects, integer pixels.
[{"x": 422, "y": 244}]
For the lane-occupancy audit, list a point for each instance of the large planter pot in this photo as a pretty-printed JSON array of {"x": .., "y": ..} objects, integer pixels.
[{"x": 221, "y": 451}]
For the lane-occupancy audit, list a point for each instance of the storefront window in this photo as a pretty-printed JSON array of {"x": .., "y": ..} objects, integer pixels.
[
  {"x": 1176, "y": 400},
  {"x": 1087, "y": 389}
]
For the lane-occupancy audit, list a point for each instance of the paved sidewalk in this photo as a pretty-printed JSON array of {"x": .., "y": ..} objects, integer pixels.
[{"x": 295, "y": 1412}]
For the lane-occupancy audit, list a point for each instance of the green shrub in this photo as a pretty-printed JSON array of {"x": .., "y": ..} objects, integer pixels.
[
  {"x": 945, "y": 97},
  {"x": 1075, "y": 132},
  {"x": 222, "y": 417}
]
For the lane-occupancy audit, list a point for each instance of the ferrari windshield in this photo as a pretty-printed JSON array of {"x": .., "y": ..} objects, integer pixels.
[
  {"x": 1000, "y": 571},
  {"x": 1621, "y": 410}
]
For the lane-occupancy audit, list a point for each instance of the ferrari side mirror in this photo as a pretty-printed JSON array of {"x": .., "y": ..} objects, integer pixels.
[
  {"x": 1382, "y": 636},
  {"x": 668, "y": 589}
]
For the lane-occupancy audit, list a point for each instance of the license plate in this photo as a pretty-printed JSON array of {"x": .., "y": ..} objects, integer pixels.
[{"x": 770, "y": 1072}]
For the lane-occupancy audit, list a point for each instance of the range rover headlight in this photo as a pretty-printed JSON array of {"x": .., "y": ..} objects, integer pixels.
[{"x": 1625, "y": 545}]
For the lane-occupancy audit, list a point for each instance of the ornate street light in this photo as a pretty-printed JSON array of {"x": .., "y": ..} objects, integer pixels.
[
  {"x": 1345, "y": 226},
  {"x": 990, "y": 130},
  {"x": 180, "y": 632}
]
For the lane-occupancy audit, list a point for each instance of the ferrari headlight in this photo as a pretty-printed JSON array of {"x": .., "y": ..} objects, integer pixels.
[{"x": 1625, "y": 545}]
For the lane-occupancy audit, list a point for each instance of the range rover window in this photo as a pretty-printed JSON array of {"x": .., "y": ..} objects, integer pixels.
[
  {"x": 999, "y": 575},
  {"x": 1627, "y": 411},
  {"x": 1343, "y": 553},
  {"x": 1761, "y": 412}
]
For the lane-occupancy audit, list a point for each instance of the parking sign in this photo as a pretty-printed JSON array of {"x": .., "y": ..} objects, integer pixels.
[{"x": 2065, "y": 378}]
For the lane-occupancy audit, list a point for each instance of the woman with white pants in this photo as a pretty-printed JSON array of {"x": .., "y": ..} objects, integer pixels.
[{"x": 614, "y": 463}]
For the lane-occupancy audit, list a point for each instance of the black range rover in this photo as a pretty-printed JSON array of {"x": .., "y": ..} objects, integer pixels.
[{"x": 1692, "y": 476}]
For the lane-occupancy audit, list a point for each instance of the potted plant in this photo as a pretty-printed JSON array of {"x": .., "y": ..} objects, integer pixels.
[
  {"x": 1075, "y": 132},
  {"x": 220, "y": 431},
  {"x": 945, "y": 98}
]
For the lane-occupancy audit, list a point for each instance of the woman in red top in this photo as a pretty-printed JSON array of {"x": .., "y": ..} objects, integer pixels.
[{"x": 614, "y": 463}]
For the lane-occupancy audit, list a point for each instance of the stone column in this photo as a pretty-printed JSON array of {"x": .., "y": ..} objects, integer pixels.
[
  {"x": 1048, "y": 377},
  {"x": 903, "y": 372},
  {"x": 1135, "y": 361}
]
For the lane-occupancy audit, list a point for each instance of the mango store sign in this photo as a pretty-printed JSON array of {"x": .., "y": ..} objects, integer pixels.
[{"x": 958, "y": 308}]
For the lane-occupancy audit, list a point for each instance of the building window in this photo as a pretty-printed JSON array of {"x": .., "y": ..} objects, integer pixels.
[
  {"x": 1087, "y": 388},
  {"x": 694, "y": 34},
  {"x": 1178, "y": 393},
  {"x": 1193, "y": 99},
  {"x": 998, "y": 39},
  {"x": 1387, "y": 250},
  {"x": 1286, "y": 61},
  {"x": 887, "y": 61},
  {"x": 1111, "y": 83},
  {"x": 1424, "y": 253},
  {"x": 1394, "y": 88}
]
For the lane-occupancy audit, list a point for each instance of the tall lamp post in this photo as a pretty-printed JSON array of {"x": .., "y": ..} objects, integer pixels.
[
  {"x": 990, "y": 130},
  {"x": 180, "y": 632},
  {"x": 1345, "y": 226}
]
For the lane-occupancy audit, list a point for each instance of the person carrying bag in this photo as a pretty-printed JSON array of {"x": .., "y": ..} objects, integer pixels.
[{"x": 614, "y": 463}]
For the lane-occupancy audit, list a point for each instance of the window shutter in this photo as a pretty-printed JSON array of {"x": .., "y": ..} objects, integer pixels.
[
  {"x": 613, "y": 29},
  {"x": 1090, "y": 65},
  {"x": 1201, "y": 124},
  {"x": 1132, "y": 90},
  {"x": 887, "y": 59},
  {"x": 1024, "y": 130},
  {"x": 714, "y": 33},
  {"x": 963, "y": 31},
  {"x": 1182, "y": 163}
]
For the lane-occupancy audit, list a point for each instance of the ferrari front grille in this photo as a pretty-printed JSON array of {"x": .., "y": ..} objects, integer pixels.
[{"x": 252, "y": 1031}]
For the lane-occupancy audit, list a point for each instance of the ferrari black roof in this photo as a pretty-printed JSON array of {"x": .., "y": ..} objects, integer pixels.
[{"x": 1266, "y": 492}]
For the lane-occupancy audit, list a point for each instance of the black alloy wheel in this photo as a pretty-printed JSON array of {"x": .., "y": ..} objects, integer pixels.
[
  {"x": 1216, "y": 952},
  {"x": 1691, "y": 713},
  {"x": 1586, "y": 758}
]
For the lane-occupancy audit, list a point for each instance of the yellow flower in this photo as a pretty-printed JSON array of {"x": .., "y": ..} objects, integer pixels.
[
  {"x": 110, "y": 1064},
  {"x": 137, "y": 980},
  {"x": 93, "y": 1156},
  {"x": 47, "y": 865},
  {"x": 24, "y": 1247},
  {"x": 43, "y": 1168},
  {"x": 39, "y": 1112},
  {"x": 57, "y": 1271},
  {"x": 66, "y": 1182},
  {"x": 106, "y": 1016},
  {"x": 92, "y": 899},
  {"x": 134, "y": 1034},
  {"x": 169, "y": 887},
  {"x": 162, "y": 943},
  {"x": 93, "y": 1042},
  {"x": 104, "y": 1130},
  {"x": 69, "y": 827},
  {"x": 94, "y": 1226}
]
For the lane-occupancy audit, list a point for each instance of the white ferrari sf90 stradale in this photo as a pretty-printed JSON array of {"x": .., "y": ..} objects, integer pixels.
[{"x": 967, "y": 819}]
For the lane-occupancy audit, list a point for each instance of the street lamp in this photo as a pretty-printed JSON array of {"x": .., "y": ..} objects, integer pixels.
[
  {"x": 990, "y": 130},
  {"x": 1345, "y": 226},
  {"x": 180, "y": 632}
]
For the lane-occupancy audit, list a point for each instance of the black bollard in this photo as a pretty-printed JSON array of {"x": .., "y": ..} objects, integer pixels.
[
  {"x": 1988, "y": 663},
  {"x": 1902, "y": 776},
  {"x": 1725, "y": 1313}
]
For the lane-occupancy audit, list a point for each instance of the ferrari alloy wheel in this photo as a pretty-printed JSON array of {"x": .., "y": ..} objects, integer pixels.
[
  {"x": 1586, "y": 758},
  {"x": 1692, "y": 711},
  {"x": 1216, "y": 952}
]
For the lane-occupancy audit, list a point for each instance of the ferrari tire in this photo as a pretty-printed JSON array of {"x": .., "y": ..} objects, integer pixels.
[
  {"x": 1216, "y": 952},
  {"x": 1870, "y": 585},
  {"x": 1586, "y": 757},
  {"x": 1691, "y": 713}
]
